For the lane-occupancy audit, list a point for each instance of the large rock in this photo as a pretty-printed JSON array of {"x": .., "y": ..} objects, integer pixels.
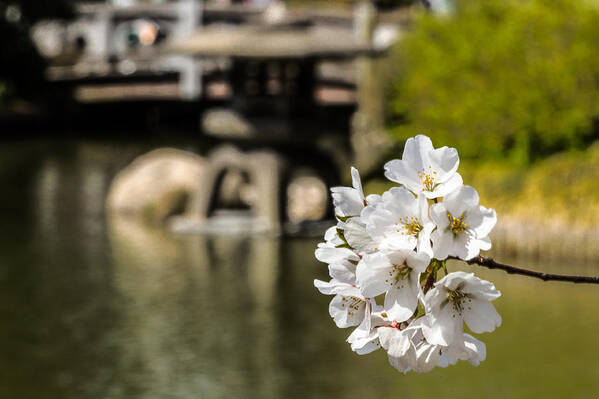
[
  {"x": 156, "y": 185},
  {"x": 261, "y": 193},
  {"x": 307, "y": 198}
]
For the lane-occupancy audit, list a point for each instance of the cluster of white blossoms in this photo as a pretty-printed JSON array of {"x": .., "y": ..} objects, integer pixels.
[{"x": 386, "y": 251}]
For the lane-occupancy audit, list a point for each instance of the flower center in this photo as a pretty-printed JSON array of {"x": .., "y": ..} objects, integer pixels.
[
  {"x": 353, "y": 304},
  {"x": 427, "y": 178},
  {"x": 458, "y": 300},
  {"x": 411, "y": 226},
  {"x": 456, "y": 225},
  {"x": 398, "y": 276}
]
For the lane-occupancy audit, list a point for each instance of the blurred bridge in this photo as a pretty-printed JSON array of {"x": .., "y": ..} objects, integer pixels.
[
  {"x": 190, "y": 50},
  {"x": 259, "y": 77}
]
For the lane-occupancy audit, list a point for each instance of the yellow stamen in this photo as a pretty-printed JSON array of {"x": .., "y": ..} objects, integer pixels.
[
  {"x": 427, "y": 178},
  {"x": 411, "y": 225},
  {"x": 457, "y": 225}
]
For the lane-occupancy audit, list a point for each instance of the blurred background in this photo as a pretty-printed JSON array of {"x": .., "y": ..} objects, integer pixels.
[{"x": 165, "y": 168}]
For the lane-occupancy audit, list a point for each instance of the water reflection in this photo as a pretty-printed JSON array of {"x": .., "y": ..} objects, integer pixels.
[
  {"x": 198, "y": 316},
  {"x": 91, "y": 309}
]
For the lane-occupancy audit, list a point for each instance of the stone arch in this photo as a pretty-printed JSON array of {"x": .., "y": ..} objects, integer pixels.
[{"x": 264, "y": 169}]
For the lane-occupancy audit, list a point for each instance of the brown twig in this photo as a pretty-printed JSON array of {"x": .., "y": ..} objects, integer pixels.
[
  {"x": 430, "y": 282},
  {"x": 491, "y": 264}
]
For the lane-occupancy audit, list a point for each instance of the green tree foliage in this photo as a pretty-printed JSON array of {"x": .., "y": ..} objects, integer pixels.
[{"x": 515, "y": 77}]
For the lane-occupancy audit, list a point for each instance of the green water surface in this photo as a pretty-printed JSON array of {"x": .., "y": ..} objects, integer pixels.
[{"x": 95, "y": 308}]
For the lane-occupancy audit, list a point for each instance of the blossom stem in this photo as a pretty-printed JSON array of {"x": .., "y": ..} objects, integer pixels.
[
  {"x": 432, "y": 276},
  {"x": 491, "y": 264}
]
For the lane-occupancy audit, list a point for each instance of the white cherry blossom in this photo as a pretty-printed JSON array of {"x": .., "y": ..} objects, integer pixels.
[
  {"x": 425, "y": 169},
  {"x": 466, "y": 348},
  {"x": 407, "y": 349},
  {"x": 382, "y": 244},
  {"x": 463, "y": 347},
  {"x": 348, "y": 308},
  {"x": 331, "y": 239},
  {"x": 400, "y": 221},
  {"x": 419, "y": 356},
  {"x": 349, "y": 201},
  {"x": 397, "y": 274},
  {"x": 463, "y": 226},
  {"x": 328, "y": 254},
  {"x": 354, "y": 231},
  {"x": 365, "y": 338},
  {"x": 400, "y": 348},
  {"x": 456, "y": 298}
]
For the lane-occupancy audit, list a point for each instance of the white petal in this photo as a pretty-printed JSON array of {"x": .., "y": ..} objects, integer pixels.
[
  {"x": 386, "y": 222},
  {"x": 371, "y": 273},
  {"x": 355, "y": 233},
  {"x": 344, "y": 315},
  {"x": 367, "y": 212},
  {"x": 427, "y": 357},
  {"x": 446, "y": 360},
  {"x": 442, "y": 244},
  {"x": 324, "y": 287},
  {"x": 335, "y": 255},
  {"x": 443, "y": 326},
  {"x": 385, "y": 336},
  {"x": 418, "y": 261},
  {"x": 364, "y": 339},
  {"x": 331, "y": 237},
  {"x": 347, "y": 201},
  {"x": 357, "y": 183},
  {"x": 461, "y": 200},
  {"x": 435, "y": 297},
  {"x": 377, "y": 222},
  {"x": 481, "y": 316},
  {"x": 400, "y": 351},
  {"x": 401, "y": 203},
  {"x": 417, "y": 151},
  {"x": 401, "y": 300},
  {"x": 439, "y": 216},
  {"x": 455, "y": 279},
  {"x": 367, "y": 348},
  {"x": 424, "y": 240},
  {"x": 423, "y": 209},
  {"x": 401, "y": 172},
  {"x": 481, "y": 220},
  {"x": 478, "y": 349},
  {"x": 373, "y": 199},
  {"x": 446, "y": 161},
  {"x": 395, "y": 342},
  {"x": 398, "y": 242},
  {"x": 444, "y": 189},
  {"x": 465, "y": 246},
  {"x": 481, "y": 289},
  {"x": 484, "y": 244},
  {"x": 405, "y": 362},
  {"x": 335, "y": 287},
  {"x": 345, "y": 273},
  {"x": 398, "y": 257}
]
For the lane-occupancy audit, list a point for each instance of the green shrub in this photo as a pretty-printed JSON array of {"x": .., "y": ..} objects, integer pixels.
[{"x": 500, "y": 77}]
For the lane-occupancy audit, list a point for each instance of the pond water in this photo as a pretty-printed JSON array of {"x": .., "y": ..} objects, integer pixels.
[{"x": 95, "y": 308}]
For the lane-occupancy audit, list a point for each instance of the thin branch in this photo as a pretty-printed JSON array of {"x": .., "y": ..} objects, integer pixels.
[{"x": 491, "y": 264}]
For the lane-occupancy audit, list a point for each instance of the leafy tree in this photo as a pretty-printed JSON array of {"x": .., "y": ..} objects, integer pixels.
[{"x": 500, "y": 77}]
